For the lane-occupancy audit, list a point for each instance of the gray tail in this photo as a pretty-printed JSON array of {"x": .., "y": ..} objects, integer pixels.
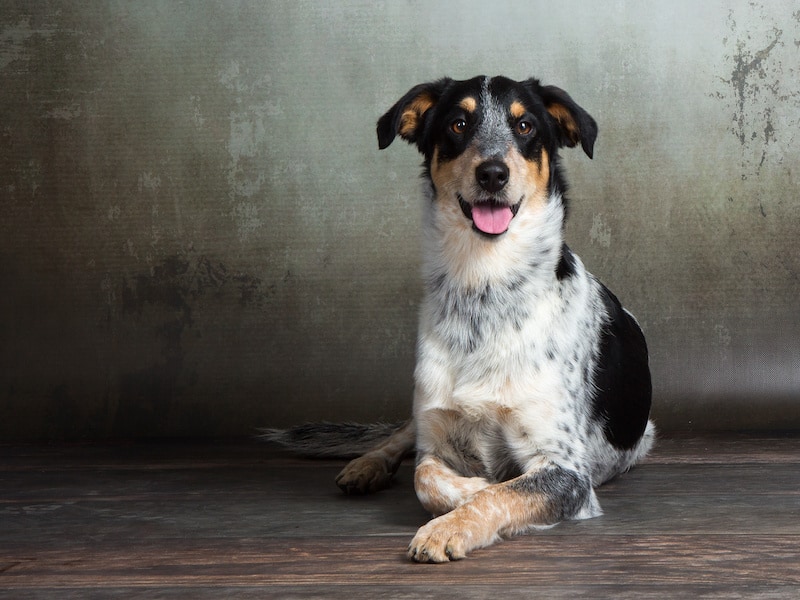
[{"x": 330, "y": 440}]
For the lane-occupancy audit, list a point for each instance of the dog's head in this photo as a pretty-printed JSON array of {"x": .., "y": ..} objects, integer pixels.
[{"x": 490, "y": 144}]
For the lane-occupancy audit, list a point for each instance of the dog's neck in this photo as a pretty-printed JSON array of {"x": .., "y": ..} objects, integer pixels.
[{"x": 529, "y": 250}]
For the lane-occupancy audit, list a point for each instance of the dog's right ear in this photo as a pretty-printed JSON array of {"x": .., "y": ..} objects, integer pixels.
[
  {"x": 407, "y": 118},
  {"x": 574, "y": 123}
]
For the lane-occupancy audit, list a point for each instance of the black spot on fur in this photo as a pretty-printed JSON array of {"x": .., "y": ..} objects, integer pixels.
[{"x": 566, "y": 265}]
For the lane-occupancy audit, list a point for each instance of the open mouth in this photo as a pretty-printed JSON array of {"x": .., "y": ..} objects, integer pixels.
[{"x": 489, "y": 217}]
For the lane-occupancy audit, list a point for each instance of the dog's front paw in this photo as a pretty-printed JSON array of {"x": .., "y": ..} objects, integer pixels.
[
  {"x": 365, "y": 474},
  {"x": 442, "y": 539}
]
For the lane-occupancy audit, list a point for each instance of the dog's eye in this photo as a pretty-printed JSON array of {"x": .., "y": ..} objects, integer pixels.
[
  {"x": 524, "y": 127},
  {"x": 458, "y": 126}
]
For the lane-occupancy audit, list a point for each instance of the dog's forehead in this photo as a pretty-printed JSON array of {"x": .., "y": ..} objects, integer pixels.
[
  {"x": 492, "y": 97},
  {"x": 492, "y": 104},
  {"x": 494, "y": 130}
]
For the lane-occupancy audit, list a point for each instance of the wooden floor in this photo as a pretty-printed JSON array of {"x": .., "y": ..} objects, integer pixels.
[{"x": 708, "y": 517}]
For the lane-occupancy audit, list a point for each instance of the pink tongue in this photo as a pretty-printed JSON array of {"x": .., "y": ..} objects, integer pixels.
[{"x": 491, "y": 218}]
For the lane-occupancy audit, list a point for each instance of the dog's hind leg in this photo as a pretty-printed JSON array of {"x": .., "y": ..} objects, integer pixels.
[
  {"x": 539, "y": 498},
  {"x": 374, "y": 470}
]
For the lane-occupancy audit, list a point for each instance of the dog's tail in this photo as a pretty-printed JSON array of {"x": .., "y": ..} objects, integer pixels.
[{"x": 330, "y": 440}]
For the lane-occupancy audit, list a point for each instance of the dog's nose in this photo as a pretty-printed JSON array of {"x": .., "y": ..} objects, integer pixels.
[{"x": 492, "y": 175}]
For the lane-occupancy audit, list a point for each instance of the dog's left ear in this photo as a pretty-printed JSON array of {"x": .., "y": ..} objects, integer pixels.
[
  {"x": 407, "y": 117},
  {"x": 574, "y": 123}
]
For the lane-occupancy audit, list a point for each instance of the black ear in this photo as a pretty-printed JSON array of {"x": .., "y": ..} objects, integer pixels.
[
  {"x": 574, "y": 123},
  {"x": 407, "y": 117}
]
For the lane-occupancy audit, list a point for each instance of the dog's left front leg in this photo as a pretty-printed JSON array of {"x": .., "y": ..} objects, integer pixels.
[{"x": 543, "y": 497}]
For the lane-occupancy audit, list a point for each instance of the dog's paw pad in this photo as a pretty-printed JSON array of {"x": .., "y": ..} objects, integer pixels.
[{"x": 438, "y": 542}]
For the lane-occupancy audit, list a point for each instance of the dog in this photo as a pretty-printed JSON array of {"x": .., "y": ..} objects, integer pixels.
[{"x": 532, "y": 382}]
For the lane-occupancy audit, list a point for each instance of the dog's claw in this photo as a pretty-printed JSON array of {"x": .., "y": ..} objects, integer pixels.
[{"x": 417, "y": 555}]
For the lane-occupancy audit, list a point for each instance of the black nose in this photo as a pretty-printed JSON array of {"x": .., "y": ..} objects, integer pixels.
[{"x": 492, "y": 175}]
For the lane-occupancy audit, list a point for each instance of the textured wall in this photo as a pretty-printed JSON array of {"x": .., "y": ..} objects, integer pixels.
[{"x": 199, "y": 236}]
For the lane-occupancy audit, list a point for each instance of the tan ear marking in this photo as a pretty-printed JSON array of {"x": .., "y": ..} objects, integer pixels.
[
  {"x": 412, "y": 115},
  {"x": 567, "y": 122}
]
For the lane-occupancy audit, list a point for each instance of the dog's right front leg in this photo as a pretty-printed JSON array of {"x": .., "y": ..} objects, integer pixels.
[{"x": 440, "y": 489}]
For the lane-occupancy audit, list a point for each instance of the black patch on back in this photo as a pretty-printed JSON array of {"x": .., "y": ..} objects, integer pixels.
[{"x": 622, "y": 377}]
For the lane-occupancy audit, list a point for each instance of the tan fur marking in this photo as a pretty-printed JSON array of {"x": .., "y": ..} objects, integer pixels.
[
  {"x": 412, "y": 115},
  {"x": 457, "y": 175},
  {"x": 488, "y": 515},
  {"x": 567, "y": 122},
  {"x": 530, "y": 178},
  {"x": 517, "y": 109},
  {"x": 538, "y": 176},
  {"x": 469, "y": 104},
  {"x": 440, "y": 489}
]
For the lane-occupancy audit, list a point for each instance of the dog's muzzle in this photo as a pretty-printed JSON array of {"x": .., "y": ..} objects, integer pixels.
[{"x": 489, "y": 217}]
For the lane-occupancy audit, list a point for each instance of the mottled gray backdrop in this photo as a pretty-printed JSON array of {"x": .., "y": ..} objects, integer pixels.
[{"x": 199, "y": 235}]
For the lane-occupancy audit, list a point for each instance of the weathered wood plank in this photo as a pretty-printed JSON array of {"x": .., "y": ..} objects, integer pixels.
[
  {"x": 662, "y": 560},
  {"x": 405, "y": 592},
  {"x": 708, "y": 517}
]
